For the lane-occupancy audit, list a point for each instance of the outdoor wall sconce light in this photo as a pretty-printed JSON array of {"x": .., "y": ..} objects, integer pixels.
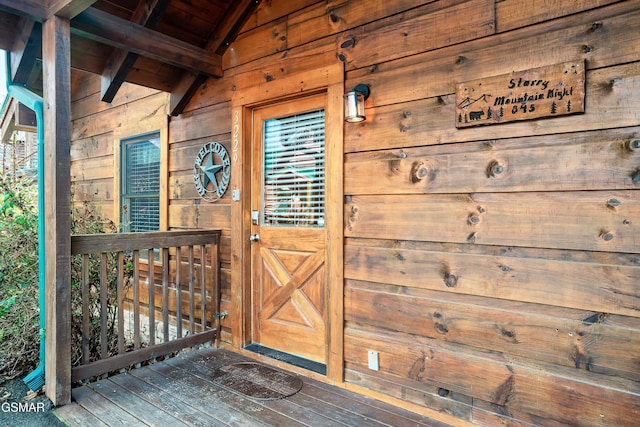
[{"x": 354, "y": 103}]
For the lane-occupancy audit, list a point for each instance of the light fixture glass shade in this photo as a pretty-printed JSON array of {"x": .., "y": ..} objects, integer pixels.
[{"x": 354, "y": 106}]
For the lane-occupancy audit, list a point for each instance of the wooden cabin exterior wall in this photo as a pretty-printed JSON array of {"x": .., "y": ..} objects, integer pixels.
[
  {"x": 493, "y": 298},
  {"x": 97, "y": 128}
]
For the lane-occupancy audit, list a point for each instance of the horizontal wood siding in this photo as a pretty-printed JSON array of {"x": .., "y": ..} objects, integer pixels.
[
  {"x": 494, "y": 269},
  {"x": 134, "y": 110}
]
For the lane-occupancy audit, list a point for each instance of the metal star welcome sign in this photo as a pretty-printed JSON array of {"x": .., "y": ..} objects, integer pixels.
[{"x": 212, "y": 171}]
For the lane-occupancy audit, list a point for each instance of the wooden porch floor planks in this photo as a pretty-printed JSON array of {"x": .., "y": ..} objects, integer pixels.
[{"x": 179, "y": 391}]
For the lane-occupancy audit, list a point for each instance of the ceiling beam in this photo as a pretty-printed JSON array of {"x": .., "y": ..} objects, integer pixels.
[
  {"x": 68, "y": 8},
  {"x": 122, "y": 34},
  {"x": 35, "y": 9},
  {"x": 219, "y": 42},
  {"x": 27, "y": 47},
  {"x": 7, "y": 125},
  {"x": 148, "y": 14},
  {"x": 231, "y": 24},
  {"x": 184, "y": 91},
  {"x": 40, "y": 10}
]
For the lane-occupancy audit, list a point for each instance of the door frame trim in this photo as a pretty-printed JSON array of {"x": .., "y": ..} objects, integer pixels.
[{"x": 246, "y": 97}]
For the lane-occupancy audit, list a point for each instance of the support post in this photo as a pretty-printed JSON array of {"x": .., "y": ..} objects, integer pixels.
[{"x": 57, "y": 130}]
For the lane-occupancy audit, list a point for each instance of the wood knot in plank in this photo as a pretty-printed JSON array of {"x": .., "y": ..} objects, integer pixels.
[
  {"x": 613, "y": 203},
  {"x": 494, "y": 169},
  {"x": 509, "y": 334},
  {"x": 595, "y": 318},
  {"x": 474, "y": 217},
  {"x": 349, "y": 43},
  {"x": 633, "y": 145},
  {"x": 440, "y": 328},
  {"x": 606, "y": 235},
  {"x": 596, "y": 26},
  {"x": 443, "y": 392},
  {"x": 406, "y": 123},
  {"x": 353, "y": 217},
  {"x": 635, "y": 177},
  {"x": 450, "y": 280},
  {"x": 394, "y": 166},
  {"x": 418, "y": 172}
]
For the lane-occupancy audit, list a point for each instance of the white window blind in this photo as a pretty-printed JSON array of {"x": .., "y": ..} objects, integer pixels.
[
  {"x": 141, "y": 184},
  {"x": 293, "y": 185}
]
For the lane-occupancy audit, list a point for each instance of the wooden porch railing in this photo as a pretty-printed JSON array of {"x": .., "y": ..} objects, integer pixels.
[{"x": 172, "y": 277}]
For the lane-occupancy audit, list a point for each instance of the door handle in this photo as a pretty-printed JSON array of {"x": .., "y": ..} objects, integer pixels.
[{"x": 254, "y": 237}]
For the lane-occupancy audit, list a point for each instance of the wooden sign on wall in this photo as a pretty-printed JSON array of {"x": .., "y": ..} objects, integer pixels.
[{"x": 550, "y": 91}]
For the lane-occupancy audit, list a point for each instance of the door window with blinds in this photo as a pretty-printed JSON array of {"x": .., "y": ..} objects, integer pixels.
[
  {"x": 293, "y": 180},
  {"x": 140, "y": 183}
]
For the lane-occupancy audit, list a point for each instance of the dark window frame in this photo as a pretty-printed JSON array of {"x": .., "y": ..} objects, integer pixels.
[{"x": 140, "y": 183}]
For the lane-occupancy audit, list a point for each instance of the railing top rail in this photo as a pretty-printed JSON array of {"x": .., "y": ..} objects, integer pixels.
[{"x": 115, "y": 242}]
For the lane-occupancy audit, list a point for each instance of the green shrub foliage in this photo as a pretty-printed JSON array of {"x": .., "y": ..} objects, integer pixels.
[
  {"x": 19, "y": 286},
  {"x": 86, "y": 220},
  {"x": 19, "y": 304}
]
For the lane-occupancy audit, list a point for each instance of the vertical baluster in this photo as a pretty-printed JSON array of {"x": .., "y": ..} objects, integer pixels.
[
  {"x": 104, "y": 307},
  {"x": 191, "y": 302},
  {"x": 178, "y": 294},
  {"x": 165, "y": 293},
  {"x": 120, "y": 302},
  {"x": 215, "y": 295},
  {"x": 203, "y": 286},
  {"x": 136, "y": 299},
  {"x": 86, "y": 326},
  {"x": 151, "y": 293}
]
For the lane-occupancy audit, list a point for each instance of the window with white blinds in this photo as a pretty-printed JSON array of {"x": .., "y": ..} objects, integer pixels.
[
  {"x": 293, "y": 183},
  {"x": 140, "y": 183}
]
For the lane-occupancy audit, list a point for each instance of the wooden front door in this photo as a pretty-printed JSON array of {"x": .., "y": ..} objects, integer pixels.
[{"x": 289, "y": 296}]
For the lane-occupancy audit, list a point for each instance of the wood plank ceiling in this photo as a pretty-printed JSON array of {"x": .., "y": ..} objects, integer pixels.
[{"x": 170, "y": 45}]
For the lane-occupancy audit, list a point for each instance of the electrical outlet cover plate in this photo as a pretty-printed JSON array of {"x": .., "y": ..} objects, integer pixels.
[{"x": 373, "y": 360}]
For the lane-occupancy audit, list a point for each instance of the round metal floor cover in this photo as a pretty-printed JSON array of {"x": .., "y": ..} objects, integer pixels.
[{"x": 258, "y": 381}]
